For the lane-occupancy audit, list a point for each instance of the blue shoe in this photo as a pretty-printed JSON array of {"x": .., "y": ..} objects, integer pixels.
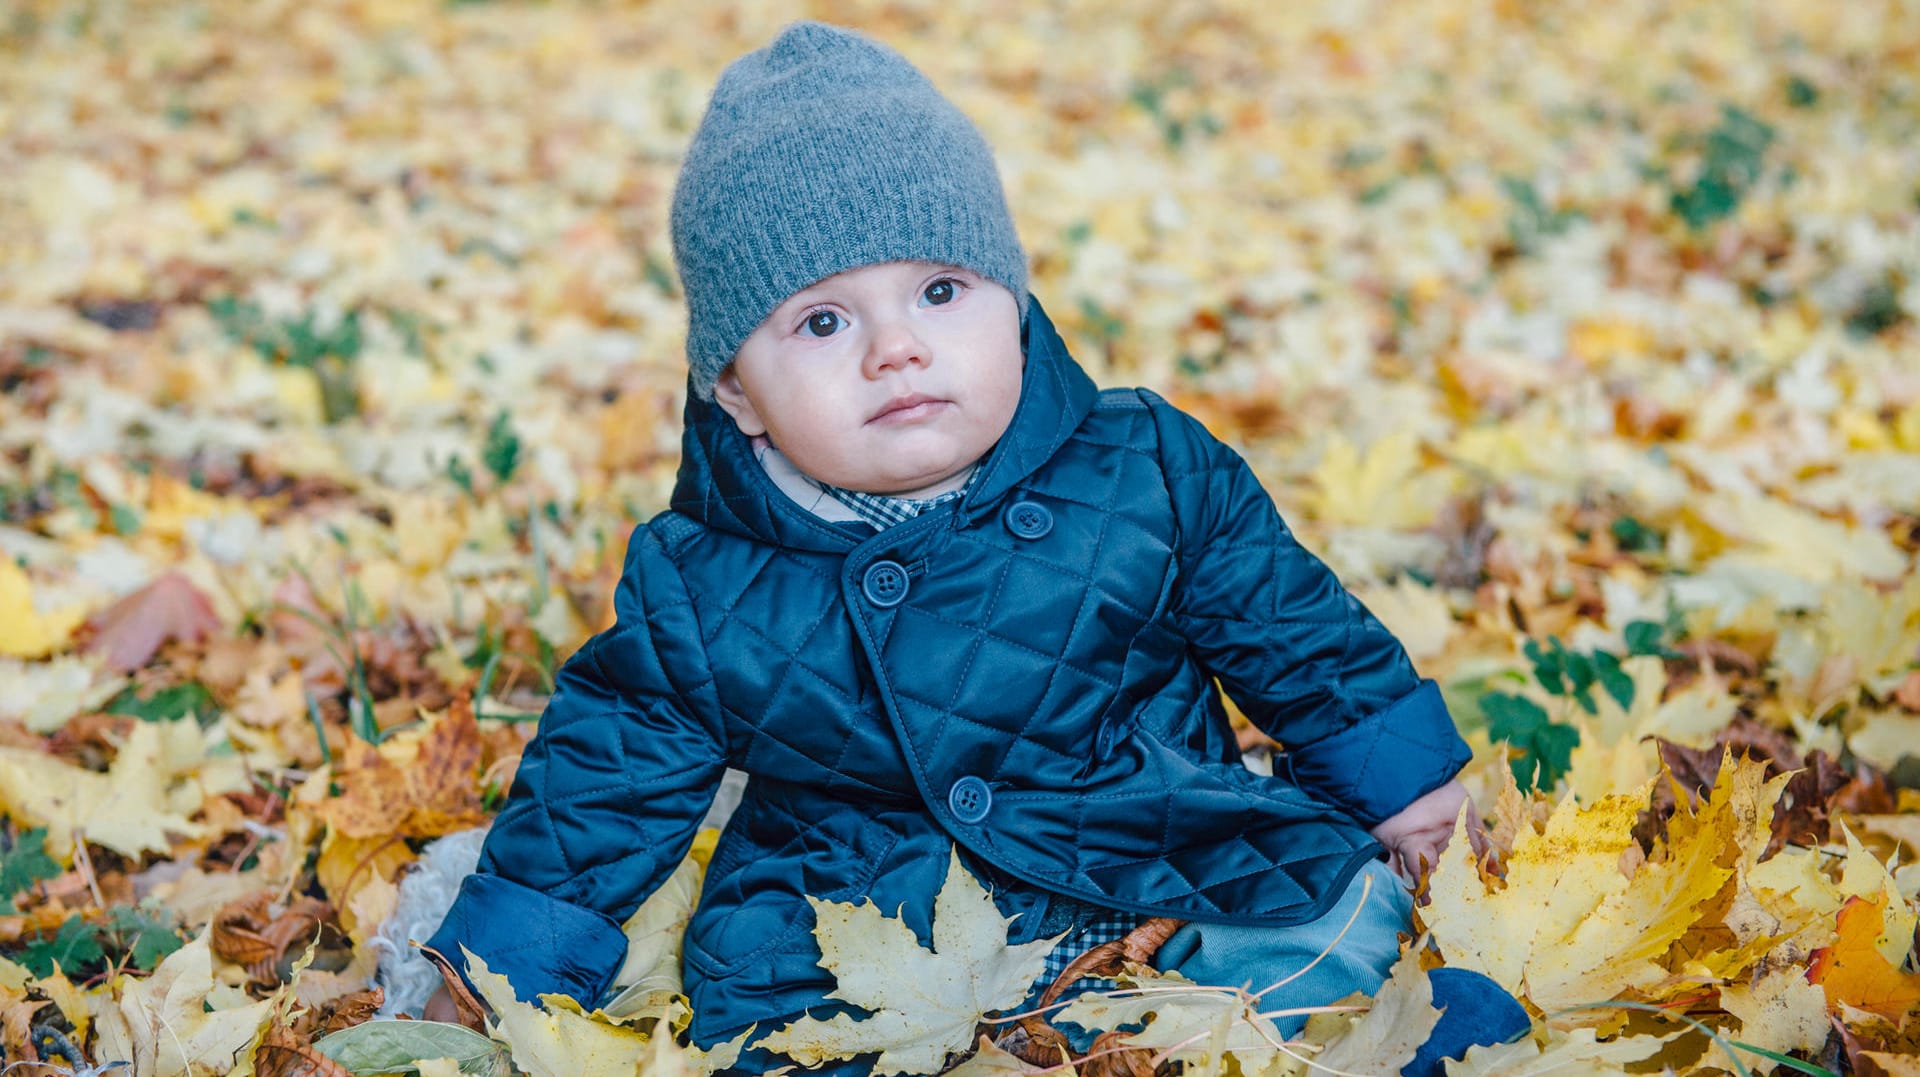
[{"x": 1475, "y": 1011}]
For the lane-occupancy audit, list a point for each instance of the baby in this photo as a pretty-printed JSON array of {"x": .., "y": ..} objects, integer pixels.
[{"x": 929, "y": 587}]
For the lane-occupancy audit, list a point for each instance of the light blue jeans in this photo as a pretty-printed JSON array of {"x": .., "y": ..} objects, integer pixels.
[{"x": 1338, "y": 957}]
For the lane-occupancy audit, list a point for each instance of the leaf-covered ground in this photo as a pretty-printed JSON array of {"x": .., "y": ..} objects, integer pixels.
[{"x": 340, "y": 350}]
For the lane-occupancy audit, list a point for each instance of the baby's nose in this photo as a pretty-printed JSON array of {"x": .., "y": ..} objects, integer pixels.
[{"x": 895, "y": 347}]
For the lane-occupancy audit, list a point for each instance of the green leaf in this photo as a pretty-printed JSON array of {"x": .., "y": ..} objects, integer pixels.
[
  {"x": 1614, "y": 679},
  {"x": 146, "y": 934},
  {"x": 168, "y": 704},
  {"x": 1645, "y": 637},
  {"x": 1732, "y": 157},
  {"x": 24, "y": 863},
  {"x": 1634, "y": 536},
  {"x": 393, "y": 1047},
  {"x": 75, "y": 947},
  {"x": 462, "y": 475},
  {"x": 1547, "y": 666},
  {"x": 501, "y": 453},
  {"x": 1544, "y": 747},
  {"x": 1877, "y": 310}
]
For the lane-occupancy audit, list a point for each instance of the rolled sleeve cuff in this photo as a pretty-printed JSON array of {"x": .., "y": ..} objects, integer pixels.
[
  {"x": 542, "y": 945},
  {"x": 1378, "y": 766}
]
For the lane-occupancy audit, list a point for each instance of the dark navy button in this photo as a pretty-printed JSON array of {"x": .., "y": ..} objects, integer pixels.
[
  {"x": 970, "y": 798},
  {"x": 1028, "y": 519},
  {"x": 885, "y": 583}
]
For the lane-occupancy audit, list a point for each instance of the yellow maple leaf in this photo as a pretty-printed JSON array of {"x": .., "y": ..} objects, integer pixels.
[
  {"x": 423, "y": 782},
  {"x": 172, "y": 1024},
  {"x": 1554, "y": 881},
  {"x": 1385, "y": 486},
  {"x": 924, "y": 1003},
  {"x": 131, "y": 809},
  {"x": 1576, "y": 1052},
  {"x": 1894, "y": 1065},
  {"x": 1616, "y": 947},
  {"x": 24, "y": 631},
  {"x": 1399, "y": 1020},
  {"x": 559, "y": 1040},
  {"x": 348, "y": 865},
  {"x": 1780, "y": 1011},
  {"x": 1775, "y": 534}
]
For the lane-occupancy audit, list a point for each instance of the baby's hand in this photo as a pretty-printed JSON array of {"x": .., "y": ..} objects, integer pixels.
[{"x": 1418, "y": 833}]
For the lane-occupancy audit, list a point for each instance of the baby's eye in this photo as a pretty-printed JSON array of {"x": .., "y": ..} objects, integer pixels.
[
  {"x": 823, "y": 323},
  {"x": 940, "y": 292}
]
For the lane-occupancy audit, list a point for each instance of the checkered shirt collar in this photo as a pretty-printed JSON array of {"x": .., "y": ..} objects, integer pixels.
[{"x": 884, "y": 512}]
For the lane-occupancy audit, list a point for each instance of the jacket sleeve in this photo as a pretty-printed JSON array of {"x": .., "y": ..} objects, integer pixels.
[
  {"x": 1298, "y": 654},
  {"x": 607, "y": 799}
]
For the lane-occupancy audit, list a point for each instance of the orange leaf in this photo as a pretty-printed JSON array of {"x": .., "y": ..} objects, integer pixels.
[
  {"x": 133, "y": 629},
  {"x": 1853, "y": 971},
  {"x": 422, "y": 784}
]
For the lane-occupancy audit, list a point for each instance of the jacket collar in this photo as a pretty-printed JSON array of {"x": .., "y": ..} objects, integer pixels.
[{"x": 721, "y": 485}]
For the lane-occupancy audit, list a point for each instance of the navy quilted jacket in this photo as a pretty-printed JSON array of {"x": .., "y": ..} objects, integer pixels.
[{"x": 1029, "y": 672}]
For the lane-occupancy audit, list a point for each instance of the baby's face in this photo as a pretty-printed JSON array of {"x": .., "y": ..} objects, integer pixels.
[{"x": 887, "y": 379}]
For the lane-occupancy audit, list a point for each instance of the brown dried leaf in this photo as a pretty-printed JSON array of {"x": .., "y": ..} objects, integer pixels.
[
  {"x": 348, "y": 1010},
  {"x": 250, "y": 933},
  {"x": 472, "y": 1012},
  {"x": 1033, "y": 1041},
  {"x": 1821, "y": 787},
  {"x": 284, "y": 1053},
  {"x": 1111, "y": 958},
  {"x": 1109, "y": 1056},
  {"x": 237, "y": 931},
  {"x": 131, "y": 631}
]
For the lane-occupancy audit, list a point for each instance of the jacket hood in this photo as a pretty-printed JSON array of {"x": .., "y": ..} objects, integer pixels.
[{"x": 721, "y": 485}]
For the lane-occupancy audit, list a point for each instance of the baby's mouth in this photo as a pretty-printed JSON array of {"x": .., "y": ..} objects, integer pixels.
[{"x": 907, "y": 409}]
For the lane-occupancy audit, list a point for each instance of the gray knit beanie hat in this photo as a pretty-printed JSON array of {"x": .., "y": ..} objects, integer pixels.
[{"x": 823, "y": 152}]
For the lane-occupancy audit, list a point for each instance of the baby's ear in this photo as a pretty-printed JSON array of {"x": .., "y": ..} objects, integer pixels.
[{"x": 732, "y": 398}]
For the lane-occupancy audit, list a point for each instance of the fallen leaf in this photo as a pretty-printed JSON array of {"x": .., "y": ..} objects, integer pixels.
[
  {"x": 1194, "y": 1023},
  {"x": 283, "y": 1054},
  {"x": 1554, "y": 880},
  {"x": 131, "y": 631},
  {"x": 1400, "y": 1019},
  {"x": 129, "y": 809},
  {"x": 163, "y": 1023},
  {"x": 1853, "y": 971},
  {"x": 1380, "y": 486},
  {"x": 391, "y": 1046},
  {"x": 1780, "y": 1012},
  {"x": 44, "y": 695},
  {"x": 988, "y": 1060},
  {"x": 557, "y": 1040},
  {"x": 25, "y": 632},
  {"x": 924, "y": 1003},
  {"x": 1617, "y": 946},
  {"x": 420, "y": 783},
  {"x": 1892, "y": 1065},
  {"x": 1578, "y": 1053},
  {"x": 348, "y": 865},
  {"x": 650, "y": 975}
]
